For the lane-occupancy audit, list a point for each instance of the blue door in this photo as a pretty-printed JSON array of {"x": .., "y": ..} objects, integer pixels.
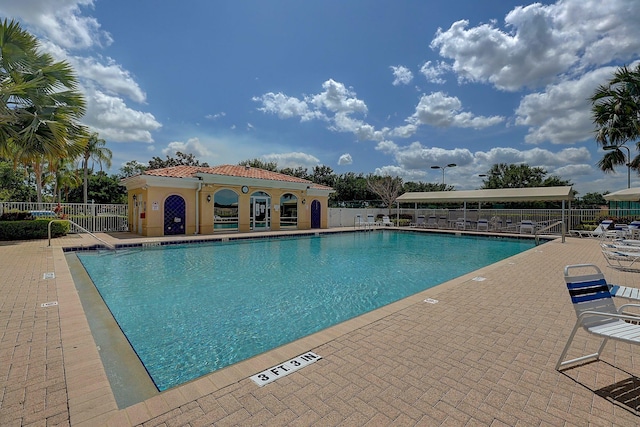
[
  {"x": 174, "y": 215},
  {"x": 316, "y": 211}
]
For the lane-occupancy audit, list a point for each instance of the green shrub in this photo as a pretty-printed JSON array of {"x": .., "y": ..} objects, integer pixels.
[
  {"x": 15, "y": 216},
  {"x": 31, "y": 229}
]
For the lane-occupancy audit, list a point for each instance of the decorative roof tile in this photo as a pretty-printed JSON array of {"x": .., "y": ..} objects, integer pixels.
[{"x": 183, "y": 171}]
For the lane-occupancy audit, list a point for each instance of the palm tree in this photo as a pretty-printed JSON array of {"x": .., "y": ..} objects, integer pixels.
[
  {"x": 94, "y": 150},
  {"x": 616, "y": 114},
  {"x": 42, "y": 120},
  {"x": 17, "y": 48}
]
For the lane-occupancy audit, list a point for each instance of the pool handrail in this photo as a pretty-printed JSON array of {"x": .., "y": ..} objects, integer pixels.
[{"x": 107, "y": 244}]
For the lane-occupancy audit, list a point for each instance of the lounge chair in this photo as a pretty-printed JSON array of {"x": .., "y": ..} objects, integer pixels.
[
  {"x": 597, "y": 313},
  {"x": 443, "y": 222},
  {"x": 622, "y": 260},
  {"x": 359, "y": 222},
  {"x": 432, "y": 222},
  {"x": 527, "y": 227},
  {"x": 482, "y": 224},
  {"x": 461, "y": 224},
  {"x": 386, "y": 221},
  {"x": 419, "y": 221},
  {"x": 371, "y": 220}
]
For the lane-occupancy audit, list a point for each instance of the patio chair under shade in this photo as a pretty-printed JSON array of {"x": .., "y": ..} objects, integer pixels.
[
  {"x": 461, "y": 224},
  {"x": 596, "y": 312},
  {"x": 482, "y": 224},
  {"x": 419, "y": 221},
  {"x": 432, "y": 222},
  {"x": 443, "y": 222},
  {"x": 527, "y": 227},
  {"x": 386, "y": 221}
]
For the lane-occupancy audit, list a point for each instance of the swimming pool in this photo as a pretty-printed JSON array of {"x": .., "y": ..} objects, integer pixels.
[{"x": 189, "y": 310}]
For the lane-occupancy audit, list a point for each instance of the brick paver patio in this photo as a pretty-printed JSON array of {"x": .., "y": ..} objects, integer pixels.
[{"x": 484, "y": 354}]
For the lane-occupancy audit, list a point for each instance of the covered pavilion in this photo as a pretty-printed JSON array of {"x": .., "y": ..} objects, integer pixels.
[{"x": 530, "y": 194}]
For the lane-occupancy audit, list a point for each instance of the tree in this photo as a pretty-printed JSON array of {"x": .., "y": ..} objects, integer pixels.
[
  {"x": 15, "y": 183},
  {"x": 94, "y": 150},
  {"x": 298, "y": 172},
  {"x": 386, "y": 187},
  {"x": 17, "y": 47},
  {"x": 131, "y": 168},
  {"x": 425, "y": 187},
  {"x": 181, "y": 159},
  {"x": 522, "y": 175},
  {"x": 591, "y": 200},
  {"x": 44, "y": 105},
  {"x": 323, "y": 175},
  {"x": 616, "y": 114},
  {"x": 260, "y": 164},
  {"x": 103, "y": 188}
]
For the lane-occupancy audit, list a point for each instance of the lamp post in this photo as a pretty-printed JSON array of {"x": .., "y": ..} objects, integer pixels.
[
  {"x": 617, "y": 147},
  {"x": 450, "y": 165}
]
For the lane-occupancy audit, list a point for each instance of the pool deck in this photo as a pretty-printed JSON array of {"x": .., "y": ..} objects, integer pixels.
[{"x": 483, "y": 353}]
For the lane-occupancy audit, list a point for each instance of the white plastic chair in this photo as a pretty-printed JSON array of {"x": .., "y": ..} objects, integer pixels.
[
  {"x": 596, "y": 312},
  {"x": 527, "y": 227},
  {"x": 482, "y": 225}
]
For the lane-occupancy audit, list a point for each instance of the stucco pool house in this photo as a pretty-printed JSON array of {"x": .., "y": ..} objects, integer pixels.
[{"x": 207, "y": 200}]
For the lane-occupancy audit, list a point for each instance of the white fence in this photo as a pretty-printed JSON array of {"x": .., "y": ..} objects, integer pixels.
[
  {"x": 574, "y": 218},
  {"x": 95, "y": 217}
]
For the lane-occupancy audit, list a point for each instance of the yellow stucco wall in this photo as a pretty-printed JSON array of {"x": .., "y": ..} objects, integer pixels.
[{"x": 146, "y": 213}]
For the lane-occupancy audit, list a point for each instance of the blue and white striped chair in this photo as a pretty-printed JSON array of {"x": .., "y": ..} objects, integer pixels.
[{"x": 597, "y": 313}]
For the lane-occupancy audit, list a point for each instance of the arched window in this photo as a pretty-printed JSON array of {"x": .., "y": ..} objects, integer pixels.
[
  {"x": 225, "y": 211},
  {"x": 288, "y": 211}
]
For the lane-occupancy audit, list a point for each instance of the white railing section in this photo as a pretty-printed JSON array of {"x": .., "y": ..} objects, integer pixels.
[
  {"x": 94, "y": 217},
  {"x": 107, "y": 244}
]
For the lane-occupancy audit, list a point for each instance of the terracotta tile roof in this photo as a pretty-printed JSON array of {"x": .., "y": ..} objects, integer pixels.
[{"x": 229, "y": 170}]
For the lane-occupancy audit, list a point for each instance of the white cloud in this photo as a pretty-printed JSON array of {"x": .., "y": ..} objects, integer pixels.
[
  {"x": 192, "y": 146},
  {"x": 111, "y": 77},
  {"x": 113, "y": 120},
  {"x": 337, "y": 98},
  {"x": 440, "y": 110},
  {"x": 401, "y": 75},
  {"x": 345, "y": 159},
  {"x": 286, "y": 107},
  {"x": 418, "y": 157},
  {"x": 387, "y": 147},
  {"x": 433, "y": 71},
  {"x": 542, "y": 42},
  {"x": 215, "y": 116},
  {"x": 61, "y": 21},
  {"x": 292, "y": 160},
  {"x": 562, "y": 113}
]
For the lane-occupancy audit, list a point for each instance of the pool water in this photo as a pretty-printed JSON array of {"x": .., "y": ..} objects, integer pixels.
[{"x": 189, "y": 310}]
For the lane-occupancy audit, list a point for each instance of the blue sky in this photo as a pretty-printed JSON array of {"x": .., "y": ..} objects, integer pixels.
[{"x": 371, "y": 86}]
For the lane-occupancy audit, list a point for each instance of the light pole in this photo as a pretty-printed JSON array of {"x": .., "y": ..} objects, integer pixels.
[
  {"x": 450, "y": 165},
  {"x": 617, "y": 147}
]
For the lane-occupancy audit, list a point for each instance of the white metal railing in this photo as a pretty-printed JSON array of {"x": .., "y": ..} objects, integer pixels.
[
  {"x": 574, "y": 218},
  {"x": 107, "y": 244},
  {"x": 94, "y": 217}
]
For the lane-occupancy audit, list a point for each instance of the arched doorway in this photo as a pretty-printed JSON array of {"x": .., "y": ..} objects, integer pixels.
[
  {"x": 316, "y": 214},
  {"x": 174, "y": 215}
]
